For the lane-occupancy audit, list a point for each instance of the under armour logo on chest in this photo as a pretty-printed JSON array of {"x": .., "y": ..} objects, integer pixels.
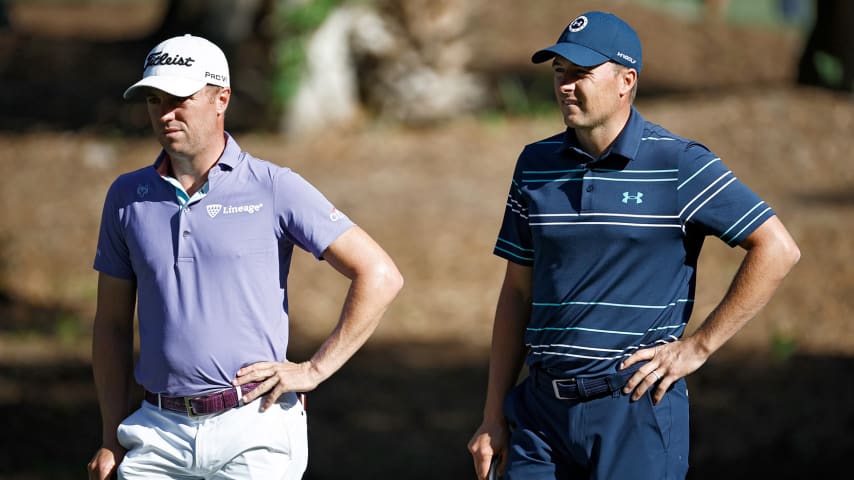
[{"x": 638, "y": 198}]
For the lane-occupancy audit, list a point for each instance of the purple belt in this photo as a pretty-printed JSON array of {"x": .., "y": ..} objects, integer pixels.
[{"x": 202, "y": 404}]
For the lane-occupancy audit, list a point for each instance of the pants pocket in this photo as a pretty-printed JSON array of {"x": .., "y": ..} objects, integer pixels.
[{"x": 671, "y": 417}]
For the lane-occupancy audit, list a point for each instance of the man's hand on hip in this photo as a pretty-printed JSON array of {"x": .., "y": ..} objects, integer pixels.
[{"x": 276, "y": 379}]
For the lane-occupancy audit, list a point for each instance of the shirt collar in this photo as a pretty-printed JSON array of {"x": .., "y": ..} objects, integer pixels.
[
  {"x": 227, "y": 161},
  {"x": 625, "y": 145},
  {"x": 230, "y": 155}
]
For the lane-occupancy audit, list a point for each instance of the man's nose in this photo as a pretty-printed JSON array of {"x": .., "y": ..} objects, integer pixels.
[
  {"x": 567, "y": 84},
  {"x": 167, "y": 110}
]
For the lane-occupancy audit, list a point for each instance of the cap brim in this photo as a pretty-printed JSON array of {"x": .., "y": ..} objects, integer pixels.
[
  {"x": 177, "y": 86},
  {"x": 577, "y": 54}
]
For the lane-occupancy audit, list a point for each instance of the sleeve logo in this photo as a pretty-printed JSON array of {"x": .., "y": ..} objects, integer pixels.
[{"x": 335, "y": 215}]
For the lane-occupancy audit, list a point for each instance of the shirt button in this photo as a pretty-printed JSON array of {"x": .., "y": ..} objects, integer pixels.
[
  {"x": 187, "y": 210},
  {"x": 185, "y": 233},
  {"x": 589, "y": 188}
]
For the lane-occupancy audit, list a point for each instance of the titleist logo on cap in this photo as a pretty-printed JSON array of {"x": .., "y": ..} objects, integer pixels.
[
  {"x": 181, "y": 66},
  {"x": 163, "y": 58}
]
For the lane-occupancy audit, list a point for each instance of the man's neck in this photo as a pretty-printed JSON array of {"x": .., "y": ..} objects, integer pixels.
[
  {"x": 598, "y": 139},
  {"x": 192, "y": 171}
]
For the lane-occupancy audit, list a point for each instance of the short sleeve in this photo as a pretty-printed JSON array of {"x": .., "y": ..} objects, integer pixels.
[
  {"x": 112, "y": 255},
  {"x": 514, "y": 237},
  {"x": 306, "y": 216},
  {"x": 714, "y": 199}
]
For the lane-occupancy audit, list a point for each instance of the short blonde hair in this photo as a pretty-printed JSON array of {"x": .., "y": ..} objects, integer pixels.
[{"x": 619, "y": 69}]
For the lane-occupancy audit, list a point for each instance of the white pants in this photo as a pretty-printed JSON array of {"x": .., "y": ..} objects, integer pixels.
[{"x": 240, "y": 443}]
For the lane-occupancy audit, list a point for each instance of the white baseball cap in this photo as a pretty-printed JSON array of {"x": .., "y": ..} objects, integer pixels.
[{"x": 181, "y": 66}]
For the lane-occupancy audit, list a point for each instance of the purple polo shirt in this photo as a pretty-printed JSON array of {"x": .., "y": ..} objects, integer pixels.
[{"x": 212, "y": 275}]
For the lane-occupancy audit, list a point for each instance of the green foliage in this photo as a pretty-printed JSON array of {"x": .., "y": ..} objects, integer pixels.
[
  {"x": 68, "y": 329},
  {"x": 783, "y": 346},
  {"x": 829, "y": 68},
  {"x": 532, "y": 96},
  {"x": 513, "y": 95},
  {"x": 760, "y": 13},
  {"x": 296, "y": 21}
]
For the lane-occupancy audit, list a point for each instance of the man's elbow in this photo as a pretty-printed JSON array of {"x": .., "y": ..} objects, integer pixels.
[
  {"x": 791, "y": 254},
  {"x": 382, "y": 277},
  {"x": 390, "y": 277},
  {"x": 784, "y": 252},
  {"x": 788, "y": 249},
  {"x": 776, "y": 244}
]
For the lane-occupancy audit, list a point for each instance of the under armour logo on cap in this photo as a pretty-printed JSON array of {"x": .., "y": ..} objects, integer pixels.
[
  {"x": 181, "y": 66},
  {"x": 578, "y": 24}
]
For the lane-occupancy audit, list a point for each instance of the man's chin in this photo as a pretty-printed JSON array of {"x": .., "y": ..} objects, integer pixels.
[
  {"x": 169, "y": 143},
  {"x": 572, "y": 123}
]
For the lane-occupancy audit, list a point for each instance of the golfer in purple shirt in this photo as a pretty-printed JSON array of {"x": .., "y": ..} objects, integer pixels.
[{"x": 201, "y": 243}]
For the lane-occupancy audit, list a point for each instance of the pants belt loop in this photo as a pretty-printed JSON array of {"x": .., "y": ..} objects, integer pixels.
[
  {"x": 582, "y": 392},
  {"x": 159, "y": 404},
  {"x": 614, "y": 384},
  {"x": 239, "y": 390}
]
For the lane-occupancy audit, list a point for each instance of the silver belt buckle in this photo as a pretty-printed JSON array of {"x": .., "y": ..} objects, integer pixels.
[{"x": 557, "y": 390}]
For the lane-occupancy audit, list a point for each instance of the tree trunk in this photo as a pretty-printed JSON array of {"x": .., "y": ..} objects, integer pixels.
[
  {"x": 828, "y": 57},
  {"x": 236, "y": 26},
  {"x": 223, "y": 22}
]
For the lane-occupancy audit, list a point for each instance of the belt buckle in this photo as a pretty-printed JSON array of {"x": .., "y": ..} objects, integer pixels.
[
  {"x": 189, "y": 407},
  {"x": 557, "y": 390}
]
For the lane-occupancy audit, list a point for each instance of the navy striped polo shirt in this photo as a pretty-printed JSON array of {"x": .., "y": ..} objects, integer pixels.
[{"x": 614, "y": 241}]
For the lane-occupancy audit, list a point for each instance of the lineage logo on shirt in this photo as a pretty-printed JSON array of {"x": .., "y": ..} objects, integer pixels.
[{"x": 216, "y": 208}]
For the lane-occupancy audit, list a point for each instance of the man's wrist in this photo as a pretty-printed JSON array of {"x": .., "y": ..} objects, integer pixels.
[
  {"x": 493, "y": 415},
  {"x": 314, "y": 372},
  {"x": 701, "y": 345}
]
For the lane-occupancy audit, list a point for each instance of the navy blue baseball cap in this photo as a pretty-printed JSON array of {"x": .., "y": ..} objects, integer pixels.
[{"x": 594, "y": 38}]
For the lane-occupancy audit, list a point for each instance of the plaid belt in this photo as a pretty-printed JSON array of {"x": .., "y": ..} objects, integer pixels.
[
  {"x": 583, "y": 388},
  {"x": 207, "y": 404}
]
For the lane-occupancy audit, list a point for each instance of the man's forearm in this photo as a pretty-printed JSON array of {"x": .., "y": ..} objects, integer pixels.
[
  {"x": 367, "y": 300},
  {"x": 508, "y": 346},
  {"x": 770, "y": 257},
  {"x": 505, "y": 362},
  {"x": 112, "y": 364}
]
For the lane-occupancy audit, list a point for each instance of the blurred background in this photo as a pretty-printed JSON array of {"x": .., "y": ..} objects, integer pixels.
[{"x": 409, "y": 115}]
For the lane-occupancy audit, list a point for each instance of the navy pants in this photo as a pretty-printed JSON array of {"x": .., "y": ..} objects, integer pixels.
[{"x": 609, "y": 438}]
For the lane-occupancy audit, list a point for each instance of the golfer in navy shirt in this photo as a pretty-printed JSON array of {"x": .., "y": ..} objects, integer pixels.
[
  {"x": 602, "y": 232},
  {"x": 201, "y": 243}
]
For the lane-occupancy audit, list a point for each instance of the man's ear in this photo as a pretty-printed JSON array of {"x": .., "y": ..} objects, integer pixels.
[
  {"x": 222, "y": 99},
  {"x": 629, "y": 78}
]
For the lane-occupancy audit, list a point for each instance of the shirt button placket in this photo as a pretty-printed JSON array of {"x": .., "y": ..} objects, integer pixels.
[
  {"x": 587, "y": 192},
  {"x": 185, "y": 232}
]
